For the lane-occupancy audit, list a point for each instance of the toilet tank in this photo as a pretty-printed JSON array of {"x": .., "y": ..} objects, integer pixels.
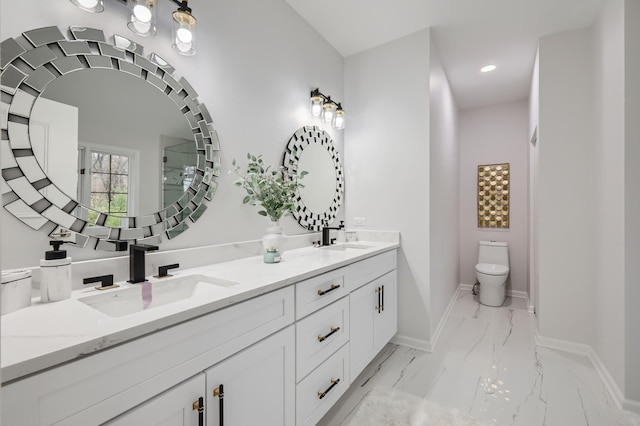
[{"x": 494, "y": 252}]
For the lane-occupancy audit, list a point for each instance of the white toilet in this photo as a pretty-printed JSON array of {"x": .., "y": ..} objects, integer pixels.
[{"x": 492, "y": 271}]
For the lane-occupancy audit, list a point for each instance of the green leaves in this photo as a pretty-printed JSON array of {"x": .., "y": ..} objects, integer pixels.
[{"x": 272, "y": 189}]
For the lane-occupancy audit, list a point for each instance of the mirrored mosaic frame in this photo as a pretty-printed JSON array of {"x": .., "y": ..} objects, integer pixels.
[
  {"x": 493, "y": 196},
  {"x": 301, "y": 139},
  {"x": 27, "y": 65}
]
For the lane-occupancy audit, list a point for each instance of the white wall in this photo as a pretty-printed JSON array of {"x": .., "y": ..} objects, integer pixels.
[
  {"x": 443, "y": 192},
  {"x": 534, "y": 101},
  {"x": 566, "y": 181},
  {"x": 257, "y": 61},
  {"x": 387, "y": 161},
  {"x": 488, "y": 135},
  {"x": 632, "y": 201},
  {"x": 609, "y": 190}
]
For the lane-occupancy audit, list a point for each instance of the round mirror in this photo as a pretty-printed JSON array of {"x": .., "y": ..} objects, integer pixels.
[
  {"x": 102, "y": 141},
  {"x": 311, "y": 149}
]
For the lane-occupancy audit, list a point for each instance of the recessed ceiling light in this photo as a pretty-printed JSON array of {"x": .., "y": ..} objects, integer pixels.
[{"x": 488, "y": 68}]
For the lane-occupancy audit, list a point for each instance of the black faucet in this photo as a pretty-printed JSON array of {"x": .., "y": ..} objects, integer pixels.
[
  {"x": 106, "y": 281},
  {"x": 136, "y": 261},
  {"x": 326, "y": 236}
]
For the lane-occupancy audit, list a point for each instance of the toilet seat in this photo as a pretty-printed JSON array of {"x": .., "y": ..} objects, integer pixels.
[{"x": 491, "y": 269}]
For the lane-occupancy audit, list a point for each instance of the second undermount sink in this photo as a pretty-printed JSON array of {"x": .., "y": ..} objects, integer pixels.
[
  {"x": 145, "y": 296},
  {"x": 344, "y": 246}
]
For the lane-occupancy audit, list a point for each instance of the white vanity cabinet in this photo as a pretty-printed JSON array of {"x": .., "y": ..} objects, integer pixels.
[
  {"x": 253, "y": 387},
  {"x": 372, "y": 308},
  {"x": 373, "y": 320},
  {"x": 97, "y": 388},
  {"x": 282, "y": 358}
]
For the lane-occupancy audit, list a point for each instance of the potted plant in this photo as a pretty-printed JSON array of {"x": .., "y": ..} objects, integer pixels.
[{"x": 273, "y": 190}]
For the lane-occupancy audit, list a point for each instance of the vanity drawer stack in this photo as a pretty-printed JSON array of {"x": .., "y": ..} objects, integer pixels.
[{"x": 322, "y": 350}]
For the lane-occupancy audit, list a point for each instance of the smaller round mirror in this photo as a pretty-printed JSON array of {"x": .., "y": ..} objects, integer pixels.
[{"x": 311, "y": 149}]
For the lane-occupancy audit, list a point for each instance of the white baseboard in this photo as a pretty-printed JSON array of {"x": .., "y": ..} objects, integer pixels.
[
  {"x": 444, "y": 319},
  {"x": 586, "y": 350},
  {"x": 421, "y": 345},
  {"x": 428, "y": 345},
  {"x": 631, "y": 405}
]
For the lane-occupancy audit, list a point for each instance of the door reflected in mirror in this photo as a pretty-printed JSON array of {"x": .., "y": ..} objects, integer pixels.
[{"x": 100, "y": 135}]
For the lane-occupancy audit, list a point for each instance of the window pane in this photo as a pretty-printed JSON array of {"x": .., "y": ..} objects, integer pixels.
[
  {"x": 100, "y": 162},
  {"x": 100, "y": 202},
  {"x": 119, "y": 164},
  {"x": 119, "y": 184},
  {"x": 118, "y": 204},
  {"x": 100, "y": 182}
]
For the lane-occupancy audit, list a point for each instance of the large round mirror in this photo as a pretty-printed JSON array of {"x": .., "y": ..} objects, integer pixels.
[
  {"x": 102, "y": 141},
  {"x": 311, "y": 149}
]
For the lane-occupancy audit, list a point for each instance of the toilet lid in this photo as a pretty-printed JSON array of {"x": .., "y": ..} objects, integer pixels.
[{"x": 492, "y": 269}]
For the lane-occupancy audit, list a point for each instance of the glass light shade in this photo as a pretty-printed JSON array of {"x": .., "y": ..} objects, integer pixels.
[
  {"x": 328, "y": 111},
  {"x": 143, "y": 17},
  {"x": 338, "y": 121},
  {"x": 89, "y": 5},
  {"x": 316, "y": 106},
  {"x": 184, "y": 33}
]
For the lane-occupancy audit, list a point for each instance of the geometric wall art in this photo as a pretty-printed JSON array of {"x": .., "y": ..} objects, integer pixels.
[{"x": 493, "y": 196}]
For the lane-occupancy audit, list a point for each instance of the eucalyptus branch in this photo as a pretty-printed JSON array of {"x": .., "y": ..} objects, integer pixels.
[{"x": 272, "y": 190}]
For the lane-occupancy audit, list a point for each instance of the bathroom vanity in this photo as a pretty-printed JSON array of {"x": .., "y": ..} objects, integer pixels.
[{"x": 248, "y": 343}]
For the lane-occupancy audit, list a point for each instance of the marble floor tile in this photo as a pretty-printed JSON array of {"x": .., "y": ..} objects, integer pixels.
[{"x": 487, "y": 364}]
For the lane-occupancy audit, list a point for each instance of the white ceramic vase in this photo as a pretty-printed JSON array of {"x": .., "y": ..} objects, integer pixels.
[{"x": 274, "y": 238}]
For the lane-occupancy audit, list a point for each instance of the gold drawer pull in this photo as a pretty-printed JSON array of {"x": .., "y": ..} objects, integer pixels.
[
  {"x": 333, "y": 287},
  {"x": 333, "y": 330},
  {"x": 322, "y": 394}
]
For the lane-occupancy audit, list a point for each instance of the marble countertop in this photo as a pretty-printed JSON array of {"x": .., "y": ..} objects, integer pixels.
[{"x": 47, "y": 334}]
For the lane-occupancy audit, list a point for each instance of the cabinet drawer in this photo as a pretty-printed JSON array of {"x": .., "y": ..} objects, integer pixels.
[
  {"x": 316, "y": 292},
  {"x": 368, "y": 270},
  {"x": 317, "y": 393},
  {"x": 321, "y": 334}
]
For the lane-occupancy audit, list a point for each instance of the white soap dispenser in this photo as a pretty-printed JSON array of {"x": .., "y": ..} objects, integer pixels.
[{"x": 55, "y": 274}]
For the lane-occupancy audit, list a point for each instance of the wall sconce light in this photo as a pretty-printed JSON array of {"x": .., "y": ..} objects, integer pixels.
[
  {"x": 331, "y": 111},
  {"x": 143, "y": 21}
]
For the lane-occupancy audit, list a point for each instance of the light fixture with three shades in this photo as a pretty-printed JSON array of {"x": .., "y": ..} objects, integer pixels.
[
  {"x": 330, "y": 111},
  {"x": 142, "y": 21}
]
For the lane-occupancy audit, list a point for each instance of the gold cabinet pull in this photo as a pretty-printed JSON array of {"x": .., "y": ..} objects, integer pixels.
[
  {"x": 333, "y": 287},
  {"x": 322, "y": 394},
  {"x": 219, "y": 393},
  {"x": 199, "y": 407},
  {"x": 333, "y": 330}
]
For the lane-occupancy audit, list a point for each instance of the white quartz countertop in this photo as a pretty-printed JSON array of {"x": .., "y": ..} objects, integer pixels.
[{"x": 47, "y": 334}]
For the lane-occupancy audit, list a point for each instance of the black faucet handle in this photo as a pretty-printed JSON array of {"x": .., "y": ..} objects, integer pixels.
[
  {"x": 143, "y": 247},
  {"x": 341, "y": 224},
  {"x": 106, "y": 281},
  {"x": 163, "y": 270}
]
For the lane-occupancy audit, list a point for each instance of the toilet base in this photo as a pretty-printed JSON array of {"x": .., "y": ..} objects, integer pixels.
[{"x": 495, "y": 297}]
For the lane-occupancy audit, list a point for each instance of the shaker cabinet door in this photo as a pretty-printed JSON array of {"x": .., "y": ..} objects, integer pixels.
[
  {"x": 255, "y": 386},
  {"x": 178, "y": 406}
]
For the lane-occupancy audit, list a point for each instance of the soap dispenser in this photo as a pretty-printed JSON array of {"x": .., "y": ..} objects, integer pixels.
[{"x": 55, "y": 274}]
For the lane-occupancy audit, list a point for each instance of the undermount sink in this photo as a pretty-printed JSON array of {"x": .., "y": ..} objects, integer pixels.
[
  {"x": 344, "y": 246},
  {"x": 145, "y": 296}
]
